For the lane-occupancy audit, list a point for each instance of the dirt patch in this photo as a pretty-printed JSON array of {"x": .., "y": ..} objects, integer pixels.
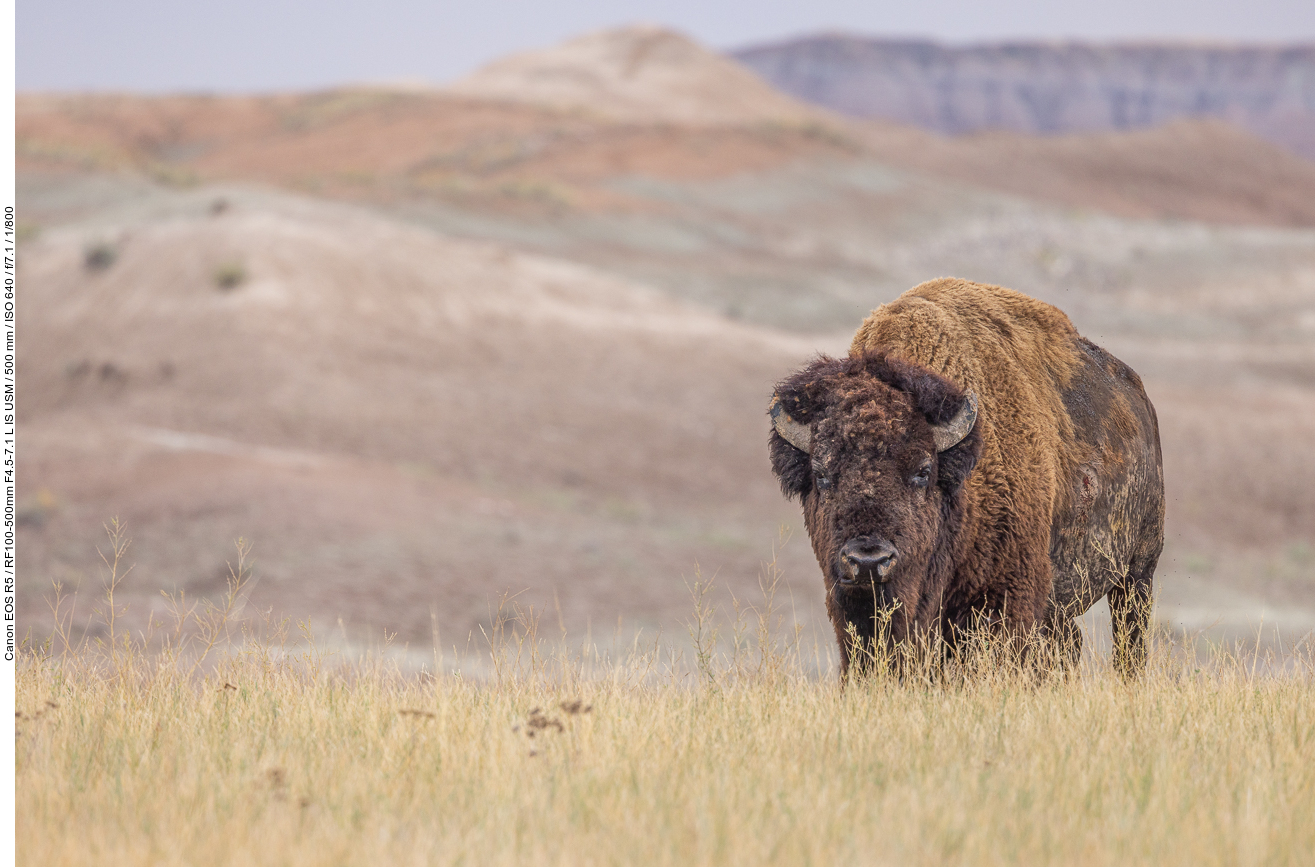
[{"x": 402, "y": 424}]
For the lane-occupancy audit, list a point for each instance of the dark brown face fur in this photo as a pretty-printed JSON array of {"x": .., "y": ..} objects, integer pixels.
[{"x": 882, "y": 507}]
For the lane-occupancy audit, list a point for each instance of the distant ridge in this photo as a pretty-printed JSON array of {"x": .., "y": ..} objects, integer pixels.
[{"x": 1041, "y": 87}]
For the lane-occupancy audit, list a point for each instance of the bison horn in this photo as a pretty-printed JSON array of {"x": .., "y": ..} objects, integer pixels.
[
  {"x": 951, "y": 433},
  {"x": 791, "y": 431}
]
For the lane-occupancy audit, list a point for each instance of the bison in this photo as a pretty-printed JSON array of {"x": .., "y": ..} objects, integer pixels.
[{"x": 974, "y": 460}]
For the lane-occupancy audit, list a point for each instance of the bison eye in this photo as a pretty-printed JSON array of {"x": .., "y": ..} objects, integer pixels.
[
  {"x": 921, "y": 477},
  {"x": 823, "y": 482}
]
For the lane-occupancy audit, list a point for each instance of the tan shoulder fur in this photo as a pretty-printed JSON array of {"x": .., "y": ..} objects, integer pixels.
[
  {"x": 1017, "y": 354},
  {"x": 973, "y": 333}
]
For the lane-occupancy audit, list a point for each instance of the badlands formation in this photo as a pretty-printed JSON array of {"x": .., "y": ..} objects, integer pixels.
[{"x": 427, "y": 350}]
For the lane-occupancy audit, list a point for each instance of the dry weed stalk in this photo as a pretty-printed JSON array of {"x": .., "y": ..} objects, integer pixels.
[
  {"x": 702, "y": 628},
  {"x": 182, "y": 650}
]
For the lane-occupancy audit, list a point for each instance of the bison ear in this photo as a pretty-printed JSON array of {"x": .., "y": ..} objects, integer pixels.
[
  {"x": 792, "y": 467},
  {"x": 799, "y": 400},
  {"x": 956, "y": 464}
]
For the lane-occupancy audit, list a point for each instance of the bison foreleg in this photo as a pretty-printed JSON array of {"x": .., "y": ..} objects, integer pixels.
[
  {"x": 1065, "y": 641},
  {"x": 1130, "y": 611}
]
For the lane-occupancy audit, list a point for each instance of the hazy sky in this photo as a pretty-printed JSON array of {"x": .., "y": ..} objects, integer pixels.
[{"x": 161, "y": 45}]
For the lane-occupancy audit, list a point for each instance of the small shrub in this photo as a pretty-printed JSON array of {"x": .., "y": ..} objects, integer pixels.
[
  {"x": 173, "y": 176},
  {"x": 100, "y": 256},
  {"x": 230, "y": 275}
]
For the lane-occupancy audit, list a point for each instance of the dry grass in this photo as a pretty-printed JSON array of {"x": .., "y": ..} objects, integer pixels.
[{"x": 274, "y": 753}]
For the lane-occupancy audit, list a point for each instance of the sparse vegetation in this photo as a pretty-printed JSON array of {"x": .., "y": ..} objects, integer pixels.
[
  {"x": 172, "y": 746},
  {"x": 535, "y": 191},
  {"x": 230, "y": 275},
  {"x": 172, "y": 175},
  {"x": 100, "y": 256}
]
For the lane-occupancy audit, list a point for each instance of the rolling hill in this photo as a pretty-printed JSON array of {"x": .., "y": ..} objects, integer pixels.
[{"x": 430, "y": 348}]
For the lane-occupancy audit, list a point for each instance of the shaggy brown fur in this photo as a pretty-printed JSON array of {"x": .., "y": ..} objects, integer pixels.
[{"x": 1054, "y": 500}]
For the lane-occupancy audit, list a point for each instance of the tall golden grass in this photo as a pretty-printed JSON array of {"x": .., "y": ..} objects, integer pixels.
[{"x": 209, "y": 743}]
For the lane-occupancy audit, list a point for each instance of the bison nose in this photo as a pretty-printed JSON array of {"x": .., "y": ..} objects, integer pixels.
[{"x": 867, "y": 558}]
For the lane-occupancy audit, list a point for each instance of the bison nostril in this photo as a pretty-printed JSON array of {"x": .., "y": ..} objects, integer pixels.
[
  {"x": 868, "y": 558},
  {"x": 883, "y": 564},
  {"x": 878, "y": 564}
]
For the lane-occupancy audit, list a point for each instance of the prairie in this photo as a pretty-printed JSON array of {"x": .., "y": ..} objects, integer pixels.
[{"x": 728, "y": 751}]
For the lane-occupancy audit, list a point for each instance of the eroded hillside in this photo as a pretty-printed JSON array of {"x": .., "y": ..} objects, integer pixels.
[{"x": 425, "y": 350}]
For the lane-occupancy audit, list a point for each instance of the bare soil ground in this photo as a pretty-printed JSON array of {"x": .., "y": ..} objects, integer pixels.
[
  {"x": 1187, "y": 169},
  {"x": 402, "y": 423}
]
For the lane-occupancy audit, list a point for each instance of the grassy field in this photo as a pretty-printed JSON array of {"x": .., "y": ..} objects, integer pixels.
[{"x": 267, "y": 751}]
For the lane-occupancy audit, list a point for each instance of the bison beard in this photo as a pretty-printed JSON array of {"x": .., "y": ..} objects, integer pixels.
[{"x": 929, "y": 518}]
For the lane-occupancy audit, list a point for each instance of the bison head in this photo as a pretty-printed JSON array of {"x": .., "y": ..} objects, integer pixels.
[{"x": 877, "y": 449}]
